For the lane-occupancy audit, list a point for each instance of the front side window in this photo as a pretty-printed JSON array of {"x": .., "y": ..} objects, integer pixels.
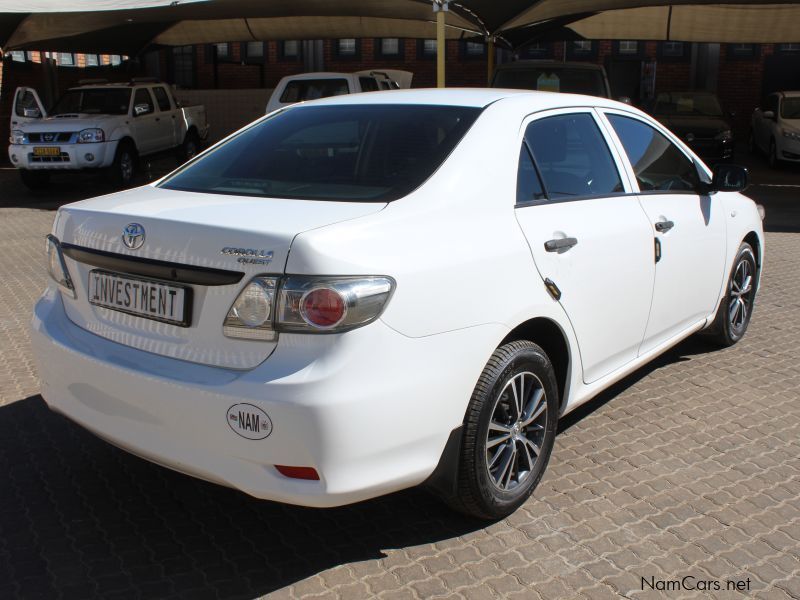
[
  {"x": 298, "y": 90},
  {"x": 659, "y": 164},
  {"x": 352, "y": 153},
  {"x": 573, "y": 157},
  {"x": 142, "y": 98}
]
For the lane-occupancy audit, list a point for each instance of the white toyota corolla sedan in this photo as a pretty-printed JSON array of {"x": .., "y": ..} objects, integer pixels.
[{"x": 366, "y": 293}]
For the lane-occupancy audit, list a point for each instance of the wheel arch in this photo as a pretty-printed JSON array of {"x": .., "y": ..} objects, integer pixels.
[
  {"x": 550, "y": 336},
  {"x": 753, "y": 239},
  {"x": 127, "y": 139}
]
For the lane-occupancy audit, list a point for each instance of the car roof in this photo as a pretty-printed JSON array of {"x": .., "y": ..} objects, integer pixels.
[
  {"x": 790, "y": 94},
  {"x": 474, "y": 97}
]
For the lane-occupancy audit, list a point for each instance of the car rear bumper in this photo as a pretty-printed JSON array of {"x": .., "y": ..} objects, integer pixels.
[
  {"x": 370, "y": 410},
  {"x": 70, "y": 157}
]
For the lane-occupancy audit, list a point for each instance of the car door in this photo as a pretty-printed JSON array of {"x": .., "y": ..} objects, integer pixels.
[
  {"x": 166, "y": 119},
  {"x": 590, "y": 239},
  {"x": 27, "y": 107},
  {"x": 145, "y": 126},
  {"x": 687, "y": 227}
]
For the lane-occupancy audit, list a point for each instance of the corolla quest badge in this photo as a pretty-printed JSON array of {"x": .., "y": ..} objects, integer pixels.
[
  {"x": 133, "y": 236},
  {"x": 249, "y": 256}
]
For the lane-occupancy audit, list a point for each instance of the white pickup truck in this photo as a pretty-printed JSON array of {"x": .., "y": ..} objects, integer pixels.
[
  {"x": 312, "y": 86},
  {"x": 100, "y": 126}
]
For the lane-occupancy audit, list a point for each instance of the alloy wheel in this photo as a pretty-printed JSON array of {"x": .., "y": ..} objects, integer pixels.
[
  {"x": 516, "y": 431},
  {"x": 126, "y": 167},
  {"x": 741, "y": 295}
]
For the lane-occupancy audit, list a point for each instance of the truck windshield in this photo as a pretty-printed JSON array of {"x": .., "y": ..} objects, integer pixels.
[
  {"x": 94, "y": 101},
  {"x": 313, "y": 89},
  {"x": 552, "y": 79},
  {"x": 358, "y": 153}
]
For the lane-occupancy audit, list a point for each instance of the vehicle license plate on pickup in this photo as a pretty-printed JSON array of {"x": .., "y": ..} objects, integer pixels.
[
  {"x": 146, "y": 298},
  {"x": 47, "y": 151}
]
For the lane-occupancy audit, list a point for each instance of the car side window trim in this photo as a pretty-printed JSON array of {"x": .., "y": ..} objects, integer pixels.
[{"x": 629, "y": 189}]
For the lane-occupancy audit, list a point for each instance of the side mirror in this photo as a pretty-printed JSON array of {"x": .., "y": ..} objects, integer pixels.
[
  {"x": 32, "y": 113},
  {"x": 141, "y": 109},
  {"x": 730, "y": 178},
  {"x": 768, "y": 114}
]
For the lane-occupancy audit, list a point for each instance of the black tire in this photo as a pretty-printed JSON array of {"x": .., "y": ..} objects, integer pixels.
[
  {"x": 772, "y": 157},
  {"x": 190, "y": 147},
  {"x": 122, "y": 172},
  {"x": 480, "y": 487},
  {"x": 35, "y": 180},
  {"x": 734, "y": 312}
]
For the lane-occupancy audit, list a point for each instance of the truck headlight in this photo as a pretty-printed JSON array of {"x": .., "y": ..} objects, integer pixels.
[
  {"x": 724, "y": 136},
  {"x": 17, "y": 137},
  {"x": 90, "y": 136},
  {"x": 791, "y": 135}
]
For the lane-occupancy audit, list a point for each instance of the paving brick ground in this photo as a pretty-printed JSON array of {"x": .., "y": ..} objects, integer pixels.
[{"x": 690, "y": 467}]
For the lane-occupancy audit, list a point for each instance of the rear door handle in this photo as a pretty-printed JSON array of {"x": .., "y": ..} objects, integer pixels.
[
  {"x": 560, "y": 244},
  {"x": 664, "y": 226}
]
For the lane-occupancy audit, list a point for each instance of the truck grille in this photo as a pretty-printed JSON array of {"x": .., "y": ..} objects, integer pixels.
[{"x": 48, "y": 138}]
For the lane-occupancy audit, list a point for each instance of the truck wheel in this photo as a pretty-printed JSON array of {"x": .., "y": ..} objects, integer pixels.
[
  {"x": 190, "y": 147},
  {"x": 123, "y": 170},
  {"x": 509, "y": 431},
  {"x": 35, "y": 180}
]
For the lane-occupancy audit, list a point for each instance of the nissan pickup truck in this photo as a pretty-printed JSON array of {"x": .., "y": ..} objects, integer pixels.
[{"x": 100, "y": 126}]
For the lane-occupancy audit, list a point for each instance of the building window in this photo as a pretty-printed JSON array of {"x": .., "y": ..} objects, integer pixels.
[
  {"x": 290, "y": 49},
  {"x": 223, "y": 52},
  {"x": 473, "y": 50},
  {"x": 92, "y": 60},
  {"x": 116, "y": 59},
  {"x": 427, "y": 48},
  {"x": 66, "y": 59},
  {"x": 672, "y": 50},
  {"x": 17, "y": 55},
  {"x": 347, "y": 48},
  {"x": 537, "y": 50},
  {"x": 628, "y": 47},
  {"x": 183, "y": 66},
  {"x": 742, "y": 51},
  {"x": 581, "y": 49},
  {"x": 389, "y": 47},
  {"x": 253, "y": 52},
  {"x": 789, "y": 48}
]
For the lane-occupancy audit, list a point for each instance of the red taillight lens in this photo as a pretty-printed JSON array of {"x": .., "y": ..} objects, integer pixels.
[
  {"x": 298, "y": 472},
  {"x": 323, "y": 307}
]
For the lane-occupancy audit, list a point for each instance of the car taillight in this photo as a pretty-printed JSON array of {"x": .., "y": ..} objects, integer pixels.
[{"x": 268, "y": 305}]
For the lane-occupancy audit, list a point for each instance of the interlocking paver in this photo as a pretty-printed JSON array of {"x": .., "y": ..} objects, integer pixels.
[{"x": 691, "y": 466}]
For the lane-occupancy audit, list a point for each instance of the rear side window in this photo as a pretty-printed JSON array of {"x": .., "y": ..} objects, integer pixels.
[
  {"x": 573, "y": 157},
  {"x": 162, "y": 99},
  {"x": 311, "y": 89},
  {"x": 358, "y": 153},
  {"x": 368, "y": 84},
  {"x": 529, "y": 186},
  {"x": 659, "y": 164}
]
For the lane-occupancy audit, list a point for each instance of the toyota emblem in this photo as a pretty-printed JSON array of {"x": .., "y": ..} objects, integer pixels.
[{"x": 133, "y": 236}]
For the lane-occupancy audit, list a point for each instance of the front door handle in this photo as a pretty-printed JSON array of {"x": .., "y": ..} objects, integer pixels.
[
  {"x": 664, "y": 226},
  {"x": 560, "y": 244}
]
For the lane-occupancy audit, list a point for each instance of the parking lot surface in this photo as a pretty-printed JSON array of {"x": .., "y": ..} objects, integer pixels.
[{"x": 686, "y": 472}]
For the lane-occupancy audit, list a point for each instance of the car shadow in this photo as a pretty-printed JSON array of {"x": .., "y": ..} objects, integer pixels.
[
  {"x": 81, "y": 519},
  {"x": 682, "y": 352}
]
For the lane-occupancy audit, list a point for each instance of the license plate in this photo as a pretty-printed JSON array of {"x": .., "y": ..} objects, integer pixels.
[
  {"x": 145, "y": 298},
  {"x": 47, "y": 151}
]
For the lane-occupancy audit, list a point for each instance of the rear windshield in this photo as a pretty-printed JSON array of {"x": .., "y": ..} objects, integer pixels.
[
  {"x": 97, "y": 101},
  {"x": 367, "y": 153},
  {"x": 312, "y": 89},
  {"x": 552, "y": 79},
  {"x": 687, "y": 104}
]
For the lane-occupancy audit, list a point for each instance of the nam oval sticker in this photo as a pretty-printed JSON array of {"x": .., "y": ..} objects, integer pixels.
[{"x": 249, "y": 421}]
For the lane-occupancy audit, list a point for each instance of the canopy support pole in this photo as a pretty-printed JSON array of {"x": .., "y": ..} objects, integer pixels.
[
  {"x": 440, "y": 7},
  {"x": 489, "y": 59}
]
